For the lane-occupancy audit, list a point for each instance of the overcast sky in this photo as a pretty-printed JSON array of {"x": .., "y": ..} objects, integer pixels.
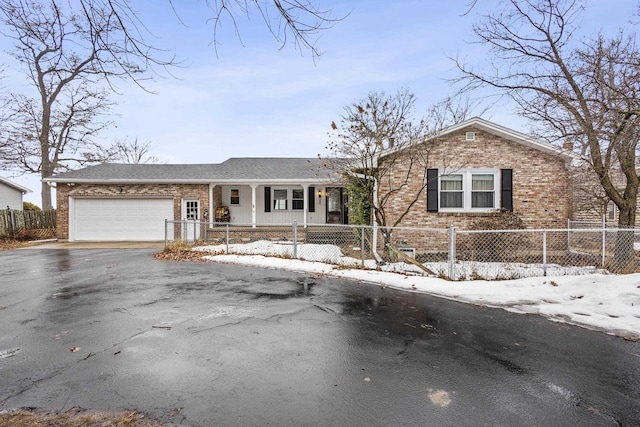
[{"x": 253, "y": 99}]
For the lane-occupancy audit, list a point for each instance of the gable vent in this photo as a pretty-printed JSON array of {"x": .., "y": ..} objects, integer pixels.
[{"x": 470, "y": 136}]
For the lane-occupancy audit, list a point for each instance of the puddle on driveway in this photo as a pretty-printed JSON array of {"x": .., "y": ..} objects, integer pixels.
[{"x": 281, "y": 290}]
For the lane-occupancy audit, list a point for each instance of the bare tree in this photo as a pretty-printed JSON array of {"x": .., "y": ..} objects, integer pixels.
[
  {"x": 67, "y": 55},
  {"x": 377, "y": 149},
  {"x": 290, "y": 21},
  {"x": 133, "y": 152},
  {"x": 583, "y": 90},
  {"x": 74, "y": 51}
]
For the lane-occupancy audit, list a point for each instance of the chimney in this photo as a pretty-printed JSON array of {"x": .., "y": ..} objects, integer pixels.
[{"x": 567, "y": 145}]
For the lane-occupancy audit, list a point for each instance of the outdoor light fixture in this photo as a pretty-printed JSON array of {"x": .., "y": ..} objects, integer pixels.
[{"x": 319, "y": 194}]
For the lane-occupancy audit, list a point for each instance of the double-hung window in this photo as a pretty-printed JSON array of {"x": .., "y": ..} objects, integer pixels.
[
  {"x": 483, "y": 191},
  {"x": 451, "y": 191},
  {"x": 469, "y": 190},
  {"x": 297, "y": 199},
  {"x": 280, "y": 200},
  {"x": 234, "y": 196}
]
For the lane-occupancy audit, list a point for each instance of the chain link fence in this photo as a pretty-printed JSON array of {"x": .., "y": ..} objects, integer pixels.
[{"x": 446, "y": 253}]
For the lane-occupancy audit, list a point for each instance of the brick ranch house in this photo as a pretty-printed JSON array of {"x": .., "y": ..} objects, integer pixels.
[
  {"x": 120, "y": 202},
  {"x": 474, "y": 168},
  {"x": 477, "y": 167}
]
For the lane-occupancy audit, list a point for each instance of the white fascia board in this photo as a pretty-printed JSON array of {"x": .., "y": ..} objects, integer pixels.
[
  {"x": 191, "y": 181},
  {"x": 495, "y": 129},
  {"x": 510, "y": 134},
  {"x": 18, "y": 187}
]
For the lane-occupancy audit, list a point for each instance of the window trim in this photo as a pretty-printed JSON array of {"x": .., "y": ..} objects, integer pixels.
[
  {"x": 297, "y": 199},
  {"x": 612, "y": 209},
  {"x": 467, "y": 179},
  {"x": 275, "y": 200},
  {"x": 231, "y": 197}
]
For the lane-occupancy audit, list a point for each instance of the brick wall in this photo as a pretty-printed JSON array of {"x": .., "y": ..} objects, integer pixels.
[
  {"x": 176, "y": 191},
  {"x": 541, "y": 185}
]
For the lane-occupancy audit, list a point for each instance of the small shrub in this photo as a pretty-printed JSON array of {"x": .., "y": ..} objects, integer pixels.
[{"x": 28, "y": 206}]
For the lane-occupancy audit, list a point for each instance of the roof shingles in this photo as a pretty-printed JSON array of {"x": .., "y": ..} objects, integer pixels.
[{"x": 234, "y": 169}]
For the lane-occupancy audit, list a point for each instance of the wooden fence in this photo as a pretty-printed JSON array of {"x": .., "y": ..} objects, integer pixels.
[{"x": 36, "y": 224}]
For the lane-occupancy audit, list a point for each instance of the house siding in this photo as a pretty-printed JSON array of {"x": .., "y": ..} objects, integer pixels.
[
  {"x": 176, "y": 191},
  {"x": 241, "y": 214},
  {"x": 10, "y": 197},
  {"x": 588, "y": 199},
  {"x": 541, "y": 185}
]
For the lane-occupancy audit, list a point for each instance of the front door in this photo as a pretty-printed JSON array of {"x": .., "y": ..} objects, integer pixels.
[
  {"x": 335, "y": 206},
  {"x": 191, "y": 216}
]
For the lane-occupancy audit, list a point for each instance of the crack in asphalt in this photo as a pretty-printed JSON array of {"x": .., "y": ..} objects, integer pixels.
[
  {"x": 34, "y": 383},
  {"x": 222, "y": 325}
]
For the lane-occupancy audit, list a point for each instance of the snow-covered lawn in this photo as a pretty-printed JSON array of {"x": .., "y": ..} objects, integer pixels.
[{"x": 605, "y": 302}]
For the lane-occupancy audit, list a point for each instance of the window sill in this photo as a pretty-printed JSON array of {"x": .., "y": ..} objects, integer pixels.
[{"x": 459, "y": 212}]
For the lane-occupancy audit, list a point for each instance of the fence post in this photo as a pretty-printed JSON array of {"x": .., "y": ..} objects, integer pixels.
[
  {"x": 10, "y": 221},
  {"x": 362, "y": 230},
  {"x": 544, "y": 252},
  {"x": 295, "y": 239},
  {"x": 568, "y": 235},
  {"x": 604, "y": 239},
  {"x": 166, "y": 232},
  {"x": 227, "y": 237},
  {"x": 195, "y": 229},
  {"x": 452, "y": 252}
]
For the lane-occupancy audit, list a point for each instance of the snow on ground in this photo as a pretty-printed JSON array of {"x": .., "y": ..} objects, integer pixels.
[{"x": 605, "y": 302}]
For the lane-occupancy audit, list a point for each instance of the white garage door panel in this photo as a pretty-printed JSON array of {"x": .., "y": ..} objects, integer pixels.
[{"x": 120, "y": 219}]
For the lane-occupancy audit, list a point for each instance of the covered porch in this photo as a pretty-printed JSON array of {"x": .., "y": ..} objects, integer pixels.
[{"x": 252, "y": 204}]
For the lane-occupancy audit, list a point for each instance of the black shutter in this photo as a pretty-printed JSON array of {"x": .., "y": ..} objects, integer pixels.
[
  {"x": 432, "y": 190},
  {"x": 267, "y": 199},
  {"x": 506, "y": 189},
  {"x": 311, "y": 195}
]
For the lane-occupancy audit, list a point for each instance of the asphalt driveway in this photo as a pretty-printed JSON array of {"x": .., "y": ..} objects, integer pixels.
[{"x": 213, "y": 344}]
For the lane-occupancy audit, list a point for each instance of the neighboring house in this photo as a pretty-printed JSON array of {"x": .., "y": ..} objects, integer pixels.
[
  {"x": 11, "y": 194},
  {"x": 477, "y": 167},
  {"x": 590, "y": 204},
  {"x": 111, "y": 202}
]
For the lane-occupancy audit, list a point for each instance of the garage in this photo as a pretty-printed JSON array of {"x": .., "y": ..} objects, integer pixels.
[{"x": 119, "y": 219}]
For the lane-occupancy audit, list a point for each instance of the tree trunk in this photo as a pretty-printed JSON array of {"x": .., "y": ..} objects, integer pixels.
[
  {"x": 624, "y": 254},
  {"x": 45, "y": 193}
]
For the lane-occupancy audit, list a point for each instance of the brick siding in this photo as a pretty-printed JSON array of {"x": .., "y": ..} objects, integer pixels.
[
  {"x": 176, "y": 191},
  {"x": 541, "y": 185}
]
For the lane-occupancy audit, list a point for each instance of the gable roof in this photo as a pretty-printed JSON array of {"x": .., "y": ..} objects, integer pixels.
[
  {"x": 12, "y": 184},
  {"x": 504, "y": 132},
  {"x": 237, "y": 170}
]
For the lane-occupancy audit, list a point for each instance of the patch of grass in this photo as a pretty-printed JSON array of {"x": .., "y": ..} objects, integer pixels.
[{"x": 77, "y": 417}]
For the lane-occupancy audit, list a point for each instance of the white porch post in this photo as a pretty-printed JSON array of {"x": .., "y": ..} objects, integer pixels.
[
  {"x": 254, "y": 212},
  {"x": 211, "y": 212},
  {"x": 305, "y": 201}
]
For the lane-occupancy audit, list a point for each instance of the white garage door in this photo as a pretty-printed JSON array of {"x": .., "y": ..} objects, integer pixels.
[{"x": 119, "y": 219}]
